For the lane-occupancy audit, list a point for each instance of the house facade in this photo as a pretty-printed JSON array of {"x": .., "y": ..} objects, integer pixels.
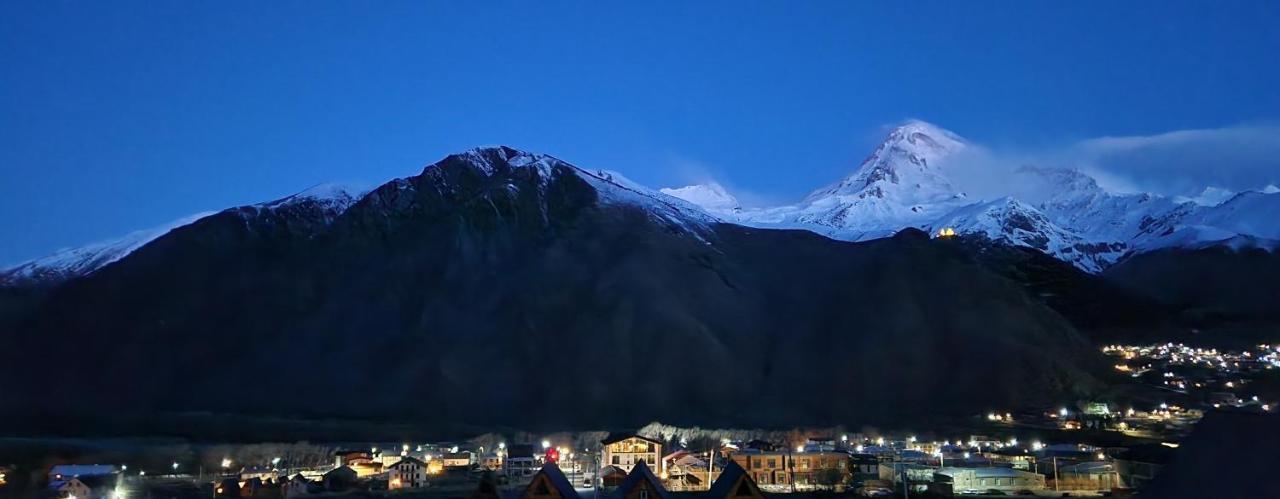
[
  {"x": 766, "y": 467},
  {"x": 457, "y": 459},
  {"x": 979, "y": 480},
  {"x": 519, "y": 461},
  {"x": 73, "y": 488},
  {"x": 407, "y": 473},
  {"x": 626, "y": 450},
  {"x": 802, "y": 470}
]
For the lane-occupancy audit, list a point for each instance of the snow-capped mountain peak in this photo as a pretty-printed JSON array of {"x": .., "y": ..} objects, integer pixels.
[
  {"x": 710, "y": 196},
  {"x": 906, "y": 161},
  {"x": 1210, "y": 196},
  {"x": 327, "y": 191},
  {"x": 903, "y": 183}
]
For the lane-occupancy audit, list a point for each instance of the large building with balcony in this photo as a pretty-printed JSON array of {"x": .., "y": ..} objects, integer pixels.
[{"x": 624, "y": 451}]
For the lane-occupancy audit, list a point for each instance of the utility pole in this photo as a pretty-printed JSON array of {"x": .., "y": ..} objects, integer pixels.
[
  {"x": 1055, "y": 473},
  {"x": 711, "y": 465},
  {"x": 906, "y": 487},
  {"x": 791, "y": 458}
]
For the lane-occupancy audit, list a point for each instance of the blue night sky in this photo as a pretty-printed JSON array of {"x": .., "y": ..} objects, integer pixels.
[{"x": 116, "y": 116}]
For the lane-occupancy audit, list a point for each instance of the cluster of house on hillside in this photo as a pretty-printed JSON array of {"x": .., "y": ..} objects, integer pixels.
[{"x": 818, "y": 464}]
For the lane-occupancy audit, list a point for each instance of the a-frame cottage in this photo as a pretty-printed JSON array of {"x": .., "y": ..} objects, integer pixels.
[
  {"x": 549, "y": 483},
  {"x": 641, "y": 484},
  {"x": 734, "y": 483}
]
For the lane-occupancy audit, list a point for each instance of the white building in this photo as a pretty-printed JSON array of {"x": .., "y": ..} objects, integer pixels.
[
  {"x": 458, "y": 459},
  {"x": 980, "y": 480},
  {"x": 627, "y": 450},
  {"x": 407, "y": 473}
]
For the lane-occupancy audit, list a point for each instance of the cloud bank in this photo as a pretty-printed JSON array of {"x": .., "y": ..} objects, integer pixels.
[{"x": 1184, "y": 162}]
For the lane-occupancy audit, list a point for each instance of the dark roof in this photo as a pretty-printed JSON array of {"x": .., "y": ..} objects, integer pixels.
[
  {"x": 728, "y": 476},
  {"x": 760, "y": 444},
  {"x": 97, "y": 481},
  {"x": 611, "y": 470},
  {"x": 410, "y": 459},
  {"x": 557, "y": 479},
  {"x": 519, "y": 451},
  {"x": 618, "y": 437},
  {"x": 1225, "y": 456},
  {"x": 341, "y": 471},
  {"x": 640, "y": 473}
]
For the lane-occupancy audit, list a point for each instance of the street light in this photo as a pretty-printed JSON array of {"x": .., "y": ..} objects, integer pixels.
[
  {"x": 275, "y": 461},
  {"x": 175, "y": 466},
  {"x": 226, "y": 463},
  {"x": 546, "y": 444}
]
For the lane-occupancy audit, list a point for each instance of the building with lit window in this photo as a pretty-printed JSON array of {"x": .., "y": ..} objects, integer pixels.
[
  {"x": 981, "y": 480},
  {"x": 407, "y": 473},
  {"x": 624, "y": 451},
  {"x": 804, "y": 470}
]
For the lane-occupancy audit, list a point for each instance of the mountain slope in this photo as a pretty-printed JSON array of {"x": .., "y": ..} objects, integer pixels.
[
  {"x": 1011, "y": 222},
  {"x": 500, "y": 287},
  {"x": 324, "y": 201},
  {"x": 69, "y": 263}
]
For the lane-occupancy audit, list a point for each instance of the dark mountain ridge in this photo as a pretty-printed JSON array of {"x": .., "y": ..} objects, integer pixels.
[{"x": 503, "y": 288}]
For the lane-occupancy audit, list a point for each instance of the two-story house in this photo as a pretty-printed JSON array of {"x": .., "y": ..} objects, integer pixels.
[
  {"x": 624, "y": 451},
  {"x": 407, "y": 473}
]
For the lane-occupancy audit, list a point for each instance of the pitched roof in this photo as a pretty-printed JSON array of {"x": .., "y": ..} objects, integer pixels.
[
  {"x": 721, "y": 488},
  {"x": 618, "y": 437},
  {"x": 409, "y": 459},
  {"x": 638, "y": 474},
  {"x": 557, "y": 480},
  {"x": 345, "y": 471},
  {"x": 610, "y": 469}
]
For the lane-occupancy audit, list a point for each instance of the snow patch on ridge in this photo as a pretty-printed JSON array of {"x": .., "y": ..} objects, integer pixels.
[
  {"x": 710, "y": 196},
  {"x": 74, "y": 262}
]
